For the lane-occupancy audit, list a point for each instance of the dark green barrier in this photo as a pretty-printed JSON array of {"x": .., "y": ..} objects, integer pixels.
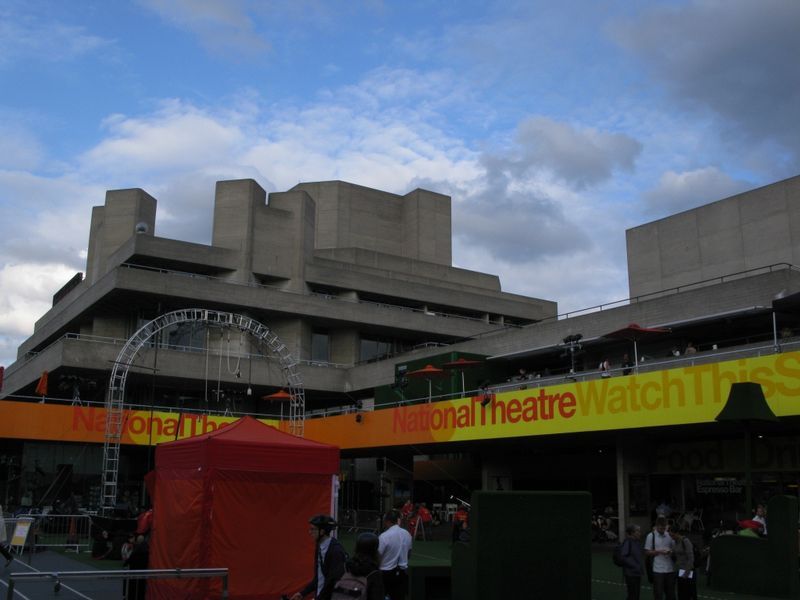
[
  {"x": 525, "y": 545},
  {"x": 761, "y": 566}
]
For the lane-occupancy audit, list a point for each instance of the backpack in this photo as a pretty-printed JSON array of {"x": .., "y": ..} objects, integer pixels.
[
  {"x": 618, "y": 556},
  {"x": 350, "y": 587}
]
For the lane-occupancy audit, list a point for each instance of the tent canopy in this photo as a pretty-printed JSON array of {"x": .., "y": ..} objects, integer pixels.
[
  {"x": 239, "y": 497},
  {"x": 249, "y": 445}
]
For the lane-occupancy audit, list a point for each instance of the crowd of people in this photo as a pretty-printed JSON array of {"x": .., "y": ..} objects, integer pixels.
[
  {"x": 669, "y": 559},
  {"x": 377, "y": 570}
]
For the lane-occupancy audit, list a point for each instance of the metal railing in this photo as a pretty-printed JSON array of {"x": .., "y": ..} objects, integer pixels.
[
  {"x": 120, "y": 574},
  {"x": 71, "y": 532}
]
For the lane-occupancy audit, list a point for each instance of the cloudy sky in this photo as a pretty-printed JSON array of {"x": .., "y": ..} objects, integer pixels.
[{"x": 554, "y": 125}]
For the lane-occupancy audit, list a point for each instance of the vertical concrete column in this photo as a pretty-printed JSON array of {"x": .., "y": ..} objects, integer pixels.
[
  {"x": 427, "y": 228},
  {"x": 622, "y": 491},
  {"x": 297, "y": 234},
  {"x": 345, "y": 346},
  {"x": 126, "y": 213},
  {"x": 235, "y": 206},
  {"x": 296, "y": 334}
]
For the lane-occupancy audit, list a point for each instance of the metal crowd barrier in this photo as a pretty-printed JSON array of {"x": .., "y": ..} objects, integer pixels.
[
  {"x": 72, "y": 532},
  {"x": 13, "y": 578}
]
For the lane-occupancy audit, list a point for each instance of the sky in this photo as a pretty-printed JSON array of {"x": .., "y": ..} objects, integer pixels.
[{"x": 554, "y": 126}]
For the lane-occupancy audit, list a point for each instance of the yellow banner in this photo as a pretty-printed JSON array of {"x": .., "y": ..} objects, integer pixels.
[
  {"x": 23, "y": 420},
  {"x": 672, "y": 397}
]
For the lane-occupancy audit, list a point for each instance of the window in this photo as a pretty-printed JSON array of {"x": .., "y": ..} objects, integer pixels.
[{"x": 320, "y": 347}]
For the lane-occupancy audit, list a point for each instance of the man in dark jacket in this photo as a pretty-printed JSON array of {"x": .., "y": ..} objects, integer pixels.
[
  {"x": 329, "y": 559},
  {"x": 633, "y": 561}
]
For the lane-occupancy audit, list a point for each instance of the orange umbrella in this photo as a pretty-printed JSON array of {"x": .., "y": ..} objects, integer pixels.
[
  {"x": 428, "y": 372},
  {"x": 281, "y": 396},
  {"x": 41, "y": 387},
  {"x": 462, "y": 363}
]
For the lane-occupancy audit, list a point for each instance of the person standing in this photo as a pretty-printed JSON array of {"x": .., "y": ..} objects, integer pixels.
[
  {"x": 683, "y": 552},
  {"x": 632, "y": 556},
  {"x": 136, "y": 589},
  {"x": 394, "y": 548},
  {"x": 659, "y": 545},
  {"x": 362, "y": 570},
  {"x": 761, "y": 517},
  {"x": 3, "y": 538},
  {"x": 329, "y": 559},
  {"x": 605, "y": 368},
  {"x": 627, "y": 367}
]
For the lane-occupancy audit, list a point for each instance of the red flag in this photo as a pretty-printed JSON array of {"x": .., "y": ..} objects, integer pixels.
[{"x": 41, "y": 387}]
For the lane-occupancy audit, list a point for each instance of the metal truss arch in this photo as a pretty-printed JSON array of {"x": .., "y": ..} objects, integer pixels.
[{"x": 264, "y": 337}]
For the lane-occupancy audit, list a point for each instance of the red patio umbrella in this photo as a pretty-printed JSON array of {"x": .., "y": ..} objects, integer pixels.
[
  {"x": 636, "y": 333},
  {"x": 428, "y": 372},
  {"x": 280, "y": 396},
  {"x": 461, "y": 364}
]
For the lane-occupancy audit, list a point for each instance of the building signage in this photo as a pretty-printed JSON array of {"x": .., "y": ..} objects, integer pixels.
[
  {"x": 719, "y": 486},
  {"x": 87, "y": 424},
  {"x": 692, "y": 394}
]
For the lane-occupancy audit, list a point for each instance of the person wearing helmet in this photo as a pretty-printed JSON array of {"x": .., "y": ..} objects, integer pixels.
[
  {"x": 394, "y": 547},
  {"x": 362, "y": 571},
  {"x": 329, "y": 559}
]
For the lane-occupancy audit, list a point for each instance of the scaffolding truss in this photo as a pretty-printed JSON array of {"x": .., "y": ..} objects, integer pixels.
[{"x": 115, "y": 400}]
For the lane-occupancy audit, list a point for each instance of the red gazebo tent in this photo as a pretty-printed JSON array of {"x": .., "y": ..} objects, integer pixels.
[{"x": 239, "y": 497}]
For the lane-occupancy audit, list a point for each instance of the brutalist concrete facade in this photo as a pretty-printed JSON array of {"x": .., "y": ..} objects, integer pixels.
[
  {"x": 346, "y": 260},
  {"x": 747, "y": 231},
  {"x": 359, "y": 264}
]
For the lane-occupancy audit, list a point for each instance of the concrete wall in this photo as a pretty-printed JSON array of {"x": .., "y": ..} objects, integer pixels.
[
  {"x": 754, "y": 229},
  {"x": 114, "y": 223},
  {"x": 415, "y": 226}
]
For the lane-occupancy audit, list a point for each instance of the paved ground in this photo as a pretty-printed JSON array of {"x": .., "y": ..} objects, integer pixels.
[
  {"x": 97, "y": 589},
  {"x": 606, "y": 578},
  {"x": 607, "y": 583}
]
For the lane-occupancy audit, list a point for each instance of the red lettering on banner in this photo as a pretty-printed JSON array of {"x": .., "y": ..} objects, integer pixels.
[
  {"x": 83, "y": 419},
  {"x": 566, "y": 407},
  {"x": 544, "y": 406}
]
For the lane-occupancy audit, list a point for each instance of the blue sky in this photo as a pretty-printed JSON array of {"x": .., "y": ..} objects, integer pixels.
[{"x": 554, "y": 126}]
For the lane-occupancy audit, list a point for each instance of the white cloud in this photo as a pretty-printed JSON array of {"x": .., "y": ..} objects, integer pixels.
[
  {"x": 734, "y": 59},
  {"x": 27, "y": 293},
  {"x": 44, "y": 219},
  {"x": 581, "y": 156},
  {"x": 177, "y": 137},
  {"x": 677, "y": 192},
  {"x": 221, "y": 25},
  {"x": 26, "y": 36}
]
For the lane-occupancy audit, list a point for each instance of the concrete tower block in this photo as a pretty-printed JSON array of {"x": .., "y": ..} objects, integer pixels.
[
  {"x": 427, "y": 227},
  {"x": 235, "y": 206},
  {"x": 287, "y": 235},
  {"x": 126, "y": 213}
]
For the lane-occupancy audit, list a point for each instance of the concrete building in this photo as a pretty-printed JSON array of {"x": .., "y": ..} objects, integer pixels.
[
  {"x": 342, "y": 273},
  {"x": 360, "y": 286}
]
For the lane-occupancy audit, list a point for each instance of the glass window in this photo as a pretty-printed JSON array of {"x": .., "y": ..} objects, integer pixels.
[{"x": 320, "y": 347}]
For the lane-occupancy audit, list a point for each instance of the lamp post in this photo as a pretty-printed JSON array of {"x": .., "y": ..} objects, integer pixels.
[{"x": 746, "y": 404}]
